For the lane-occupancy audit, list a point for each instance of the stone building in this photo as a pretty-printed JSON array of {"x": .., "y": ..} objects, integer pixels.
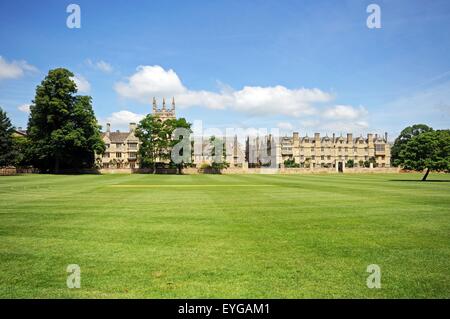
[
  {"x": 121, "y": 149},
  {"x": 164, "y": 113},
  {"x": 234, "y": 154},
  {"x": 373, "y": 150}
]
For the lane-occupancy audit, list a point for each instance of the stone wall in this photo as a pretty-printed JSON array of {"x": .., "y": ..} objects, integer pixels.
[
  {"x": 287, "y": 171},
  {"x": 6, "y": 171},
  {"x": 194, "y": 171}
]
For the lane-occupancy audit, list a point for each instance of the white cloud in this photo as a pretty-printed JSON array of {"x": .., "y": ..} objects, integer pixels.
[
  {"x": 24, "y": 108},
  {"x": 285, "y": 125},
  {"x": 83, "y": 85},
  {"x": 100, "y": 65},
  {"x": 14, "y": 69},
  {"x": 338, "y": 119},
  {"x": 345, "y": 112},
  {"x": 121, "y": 119},
  {"x": 150, "y": 81}
]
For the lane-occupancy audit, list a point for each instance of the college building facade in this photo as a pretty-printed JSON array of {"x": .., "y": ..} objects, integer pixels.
[{"x": 336, "y": 152}]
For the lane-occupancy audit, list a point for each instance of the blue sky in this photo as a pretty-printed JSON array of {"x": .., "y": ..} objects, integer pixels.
[{"x": 308, "y": 66}]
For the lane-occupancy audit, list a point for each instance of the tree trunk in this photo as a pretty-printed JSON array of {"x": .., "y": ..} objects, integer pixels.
[
  {"x": 424, "y": 178},
  {"x": 56, "y": 165}
]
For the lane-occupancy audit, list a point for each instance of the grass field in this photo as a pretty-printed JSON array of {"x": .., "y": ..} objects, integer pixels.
[{"x": 243, "y": 236}]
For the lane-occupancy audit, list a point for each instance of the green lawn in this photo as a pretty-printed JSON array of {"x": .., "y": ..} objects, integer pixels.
[{"x": 243, "y": 236}]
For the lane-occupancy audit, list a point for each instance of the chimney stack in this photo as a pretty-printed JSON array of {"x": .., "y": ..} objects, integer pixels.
[
  {"x": 385, "y": 136},
  {"x": 132, "y": 127},
  {"x": 349, "y": 138},
  {"x": 295, "y": 136},
  {"x": 108, "y": 127},
  {"x": 317, "y": 137}
]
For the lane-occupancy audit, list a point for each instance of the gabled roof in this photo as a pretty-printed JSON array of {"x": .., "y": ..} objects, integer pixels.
[{"x": 117, "y": 137}]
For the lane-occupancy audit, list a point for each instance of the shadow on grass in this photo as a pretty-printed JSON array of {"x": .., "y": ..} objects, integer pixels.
[{"x": 419, "y": 181}]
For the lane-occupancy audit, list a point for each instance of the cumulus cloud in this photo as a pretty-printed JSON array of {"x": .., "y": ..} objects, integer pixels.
[
  {"x": 285, "y": 125},
  {"x": 83, "y": 85},
  {"x": 24, "y": 108},
  {"x": 14, "y": 69},
  {"x": 345, "y": 112},
  {"x": 150, "y": 81},
  {"x": 121, "y": 119},
  {"x": 338, "y": 118},
  {"x": 100, "y": 65}
]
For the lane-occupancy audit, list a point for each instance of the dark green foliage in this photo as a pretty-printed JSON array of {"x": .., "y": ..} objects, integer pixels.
[
  {"x": 156, "y": 138},
  {"x": 290, "y": 163},
  {"x": 219, "y": 160},
  {"x": 350, "y": 163},
  {"x": 7, "y": 151},
  {"x": 407, "y": 134},
  {"x": 428, "y": 150},
  {"x": 62, "y": 128}
]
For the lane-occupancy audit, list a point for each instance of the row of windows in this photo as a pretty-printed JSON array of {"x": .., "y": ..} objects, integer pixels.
[
  {"x": 119, "y": 155},
  {"x": 340, "y": 157},
  {"x": 337, "y": 142},
  {"x": 378, "y": 148},
  {"x": 119, "y": 165},
  {"x": 131, "y": 146}
]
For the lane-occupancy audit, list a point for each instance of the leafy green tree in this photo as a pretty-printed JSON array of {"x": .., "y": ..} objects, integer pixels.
[
  {"x": 219, "y": 160},
  {"x": 150, "y": 133},
  {"x": 428, "y": 151},
  {"x": 7, "y": 151},
  {"x": 22, "y": 147},
  {"x": 156, "y": 138},
  {"x": 405, "y": 136},
  {"x": 62, "y": 128},
  {"x": 174, "y": 124}
]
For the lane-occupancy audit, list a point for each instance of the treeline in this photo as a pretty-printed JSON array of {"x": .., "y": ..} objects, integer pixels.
[
  {"x": 62, "y": 131},
  {"x": 421, "y": 148}
]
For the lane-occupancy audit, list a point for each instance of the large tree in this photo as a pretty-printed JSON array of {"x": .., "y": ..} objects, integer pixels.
[
  {"x": 405, "y": 136},
  {"x": 218, "y": 153},
  {"x": 62, "y": 127},
  {"x": 156, "y": 139},
  {"x": 7, "y": 151},
  {"x": 428, "y": 151}
]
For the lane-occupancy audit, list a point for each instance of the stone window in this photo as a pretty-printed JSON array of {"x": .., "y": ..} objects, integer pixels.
[
  {"x": 132, "y": 146},
  {"x": 118, "y": 154}
]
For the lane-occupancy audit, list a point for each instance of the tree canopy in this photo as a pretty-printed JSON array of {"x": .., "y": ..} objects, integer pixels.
[
  {"x": 405, "y": 136},
  {"x": 62, "y": 127},
  {"x": 218, "y": 153},
  {"x": 7, "y": 150},
  {"x": 156, "y": 139},
  {"x": 429, "y": 150}
]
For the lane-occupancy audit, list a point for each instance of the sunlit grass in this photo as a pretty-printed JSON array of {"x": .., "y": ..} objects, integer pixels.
[{"x": 252, "y": 236}]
